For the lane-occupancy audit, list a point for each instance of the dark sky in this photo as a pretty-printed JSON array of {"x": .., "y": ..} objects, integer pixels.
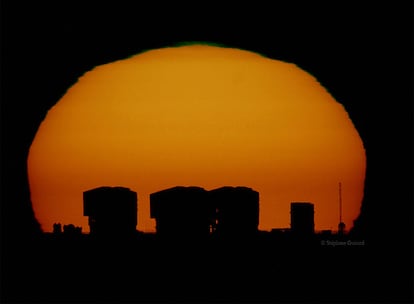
[{"x": 361, "y": 52}]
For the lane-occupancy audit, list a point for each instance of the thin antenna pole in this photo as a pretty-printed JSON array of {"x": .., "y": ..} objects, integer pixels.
[{"x": 340, "y": 202}]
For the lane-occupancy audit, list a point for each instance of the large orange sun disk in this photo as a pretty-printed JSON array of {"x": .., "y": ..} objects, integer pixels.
[{"x": 198, "y": 116}]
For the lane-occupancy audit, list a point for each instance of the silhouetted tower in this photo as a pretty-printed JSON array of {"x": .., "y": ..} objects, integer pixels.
[
  {"x": 302, "y": 218},
  {"x": 181, "y": 212},
  {"x": 111, "y": 211},
  {"x": 341, "y": 225},
  {"x": 237, "y": 211}
]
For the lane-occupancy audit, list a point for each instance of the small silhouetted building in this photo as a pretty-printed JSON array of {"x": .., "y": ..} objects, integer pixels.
[
  {"x": 302, "y": 218},
  {"x": 237, "y": 211},
  {"x": 111, "y": 211},
  {"x": 341, "y": 228},
  {"x": 72, "y": 230},
  {"x": 57, "y": 228},
  {"x": 181, "y": 212}
]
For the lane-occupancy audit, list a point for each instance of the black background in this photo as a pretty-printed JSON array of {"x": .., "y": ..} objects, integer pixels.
[{"x": 361, "y": 51}]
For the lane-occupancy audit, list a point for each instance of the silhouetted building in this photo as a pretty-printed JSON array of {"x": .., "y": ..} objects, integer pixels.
[
  {"x": 72, "y": 230},
  {"x": 181, "y": 212},
  {"x": 237, "y": 211},
  {"x": 326, "y": 232},
  {"x": 57, "y": 228},
  {"x": 111, "y": 211},
  {"x": 302, "y": 218},
  {"x": 280, "y": 231},
  {"x": 341, "y": 225},
  {"x": 341, "y": 228}
]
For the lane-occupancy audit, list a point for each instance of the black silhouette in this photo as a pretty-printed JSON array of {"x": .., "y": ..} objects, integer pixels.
[
  {"x": 111, "y": 211},
  {"x": 302, "y": 218},
  {"x": 193, "y": 211},
  {"x": 72, "y": 230},
  {"x": 57, "y": 228},
  {"x": 214, "y": 249},
  {"x": 182, "y": 211},
  {"x": 237, "y": 211}
]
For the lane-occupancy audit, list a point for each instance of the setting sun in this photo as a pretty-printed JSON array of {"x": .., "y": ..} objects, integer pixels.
[{"x": 198, "y": 115}]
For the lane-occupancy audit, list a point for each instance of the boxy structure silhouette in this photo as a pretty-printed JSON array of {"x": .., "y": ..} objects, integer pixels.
[
  {"x": 302, "y": 219},
  {"x": 237, "y": 211},
  {"x": 181, "y": 212},
  {"x": 185, "y": 211},
  {"x": 111, "y": 211}
]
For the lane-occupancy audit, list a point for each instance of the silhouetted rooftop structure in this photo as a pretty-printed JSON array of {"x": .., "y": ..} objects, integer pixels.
[
  {"x": 341, "y": 228},
  {"x": 182, "y": 211},
  {"x": 72, "y": 230},
  {"x": 111, "y": 211},
  {"x": 237, "y": 210},
  {"x": 302, "y": 218},
  {"x": 57, "y": 228}
]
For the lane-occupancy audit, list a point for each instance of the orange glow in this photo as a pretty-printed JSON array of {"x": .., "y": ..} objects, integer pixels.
[{"x": 198, "y": 116}]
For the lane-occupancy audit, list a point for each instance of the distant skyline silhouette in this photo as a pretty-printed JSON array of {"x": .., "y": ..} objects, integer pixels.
[{"x": 228, "y": 211}]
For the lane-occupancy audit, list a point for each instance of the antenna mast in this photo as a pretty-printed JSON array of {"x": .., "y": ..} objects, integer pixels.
[
  {"x": 341, "y": 225},
  {"x": 340, "y": 202}
]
